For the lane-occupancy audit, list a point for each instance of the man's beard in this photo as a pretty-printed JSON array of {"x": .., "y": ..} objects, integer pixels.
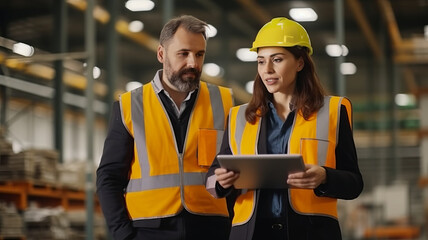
[{"x": 184, "y": 84}]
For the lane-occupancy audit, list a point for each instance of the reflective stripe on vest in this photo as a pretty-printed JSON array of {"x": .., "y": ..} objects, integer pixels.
[
  {"x": 161, "y": 177},
  {"x": 243, "y": 138},
  {"x": 242, "y": 131},
  {"x": 317, "y": 137}
]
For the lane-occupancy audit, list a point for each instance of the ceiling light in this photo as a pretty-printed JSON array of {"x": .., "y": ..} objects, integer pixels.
[
  {"x": 212, "y": 69},
  {"x": 426, "y": 31},
  {"x": 23, "y": 49},
  {"x": 139, "y": 5},
  {"x": 405, "y": 100},
  {"x": 133, "y": 85},
  {"x": 348, "y": 68},
  {"x": 96, "y": 72},
  {"x": 345, "y": 50},
  {"x": 135, "y": 26},
  {"x": 245, "y": 55},
  {"x": 303, "y": 14},
  {"x": 211, "y": 31},
  {"x": 249, "y": 86},
  {"x": 334, "y": 50}
]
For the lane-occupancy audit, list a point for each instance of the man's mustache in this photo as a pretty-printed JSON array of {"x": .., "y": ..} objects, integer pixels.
[{"x": 190, "y": 70}]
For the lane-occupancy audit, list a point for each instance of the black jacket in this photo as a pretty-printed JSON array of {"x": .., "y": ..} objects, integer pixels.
[
  {"x": 113, "y": 171},
  {"x": 344, "y": 182}
]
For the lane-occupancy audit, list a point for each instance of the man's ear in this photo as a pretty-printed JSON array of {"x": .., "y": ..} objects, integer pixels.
[{"x": 160, "y": 53}]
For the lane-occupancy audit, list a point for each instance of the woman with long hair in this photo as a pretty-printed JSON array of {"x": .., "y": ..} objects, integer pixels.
[{"x": 289, "y": 113}]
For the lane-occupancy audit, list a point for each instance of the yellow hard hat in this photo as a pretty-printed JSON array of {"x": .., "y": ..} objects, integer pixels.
[{"x": 282, "y": 32}]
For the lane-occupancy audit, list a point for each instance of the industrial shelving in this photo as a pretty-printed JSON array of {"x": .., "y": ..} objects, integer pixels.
[{"x": 44, "y": 195}]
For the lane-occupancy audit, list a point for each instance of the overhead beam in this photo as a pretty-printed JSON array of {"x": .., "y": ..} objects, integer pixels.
[
  {"x": 152, "y": 43},
  {"x": 417, "y": 45},
  {"x": 239, "y": 23},
  {"x": 410, "y": 81},
  {"x": 48, "y": 92},
  {"x": 50, "y": 57},
  {"x": 99, "y": 13},
  {"x": 70, "y": 78},
  {"x": 388, "y": 15},
  {"x": 364, "y": 25},
  {"x": 78, "y": 81},
  {"x": 410, "y": 58},
  {"x": 256, "y": 10},
  {"x": 141, "y": 38},
  {"x": 406, "y": 51}
]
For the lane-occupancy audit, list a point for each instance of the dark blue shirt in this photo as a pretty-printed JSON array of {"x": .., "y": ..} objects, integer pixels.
[{"x": 272, "y": 202}]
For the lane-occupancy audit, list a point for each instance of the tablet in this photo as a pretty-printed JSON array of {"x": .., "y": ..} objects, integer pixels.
[{"x": 262, "y": 170}]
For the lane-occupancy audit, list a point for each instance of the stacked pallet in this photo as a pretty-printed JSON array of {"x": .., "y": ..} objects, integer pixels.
[
  {"x": 77, "y": 221},
  {"x": 57, "y": 224},
  {"x": 5, "y": 149},
  {"x": 38, "y": 166},
  {"x": 46, "y": 223},
  {"x": 11, "y": 223},
  {"x": 5, "y": 145},
  {"x": 72, "y": 175}
]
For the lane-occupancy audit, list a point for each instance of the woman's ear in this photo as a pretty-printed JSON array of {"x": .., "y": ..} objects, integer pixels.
[
  {"x": 300, "y": 64},
  {"x": 160, "y": 53}
]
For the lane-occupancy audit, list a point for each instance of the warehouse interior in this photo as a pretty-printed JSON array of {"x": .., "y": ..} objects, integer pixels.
[{"x": 64, "y": 62}]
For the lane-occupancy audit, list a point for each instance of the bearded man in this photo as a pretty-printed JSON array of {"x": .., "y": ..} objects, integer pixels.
[{"x": 162, "y": 138}]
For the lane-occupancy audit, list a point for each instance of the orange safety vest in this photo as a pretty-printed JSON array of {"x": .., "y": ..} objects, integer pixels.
[
  {"x": 163, "y": 181},
  {"x": 315, "y": 139}
]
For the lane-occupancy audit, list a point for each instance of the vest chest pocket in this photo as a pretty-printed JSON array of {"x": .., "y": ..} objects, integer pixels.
[{"x": 209, "y": 142}]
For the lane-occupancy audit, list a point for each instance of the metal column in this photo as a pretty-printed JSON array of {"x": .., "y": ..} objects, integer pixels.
[
  {"x": 396, "y": 158},
  {"x": 382, "y": 72},
  {"x": 112, "y": 63},
  {"x": 168, "y": 10},
  {"x": 90, "y": 49},
  {"x": 112, "y": 56},
  {"x": 423, "y": 106},
  {"x": 60, "y": 45},
  {"x": 4, "y": 100},
  {"x": 340, "y": 37}
]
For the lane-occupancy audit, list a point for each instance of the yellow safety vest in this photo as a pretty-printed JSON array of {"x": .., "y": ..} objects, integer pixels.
[
  {"x": 315, "y": 139},
  {"x": 163, "y": 181}
]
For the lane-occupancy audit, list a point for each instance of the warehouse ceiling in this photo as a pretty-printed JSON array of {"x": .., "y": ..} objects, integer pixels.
[{"x": 385, "y": 39}]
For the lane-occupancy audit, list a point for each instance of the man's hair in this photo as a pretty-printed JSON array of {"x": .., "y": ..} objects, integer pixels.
[{"x": 188, "y": 22}]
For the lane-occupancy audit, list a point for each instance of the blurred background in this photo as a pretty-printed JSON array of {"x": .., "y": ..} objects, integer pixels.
[{"x": 63, "y": 63}]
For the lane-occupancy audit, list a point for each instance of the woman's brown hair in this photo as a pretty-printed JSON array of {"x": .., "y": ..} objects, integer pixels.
[{"x": 308, "y": 95}]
